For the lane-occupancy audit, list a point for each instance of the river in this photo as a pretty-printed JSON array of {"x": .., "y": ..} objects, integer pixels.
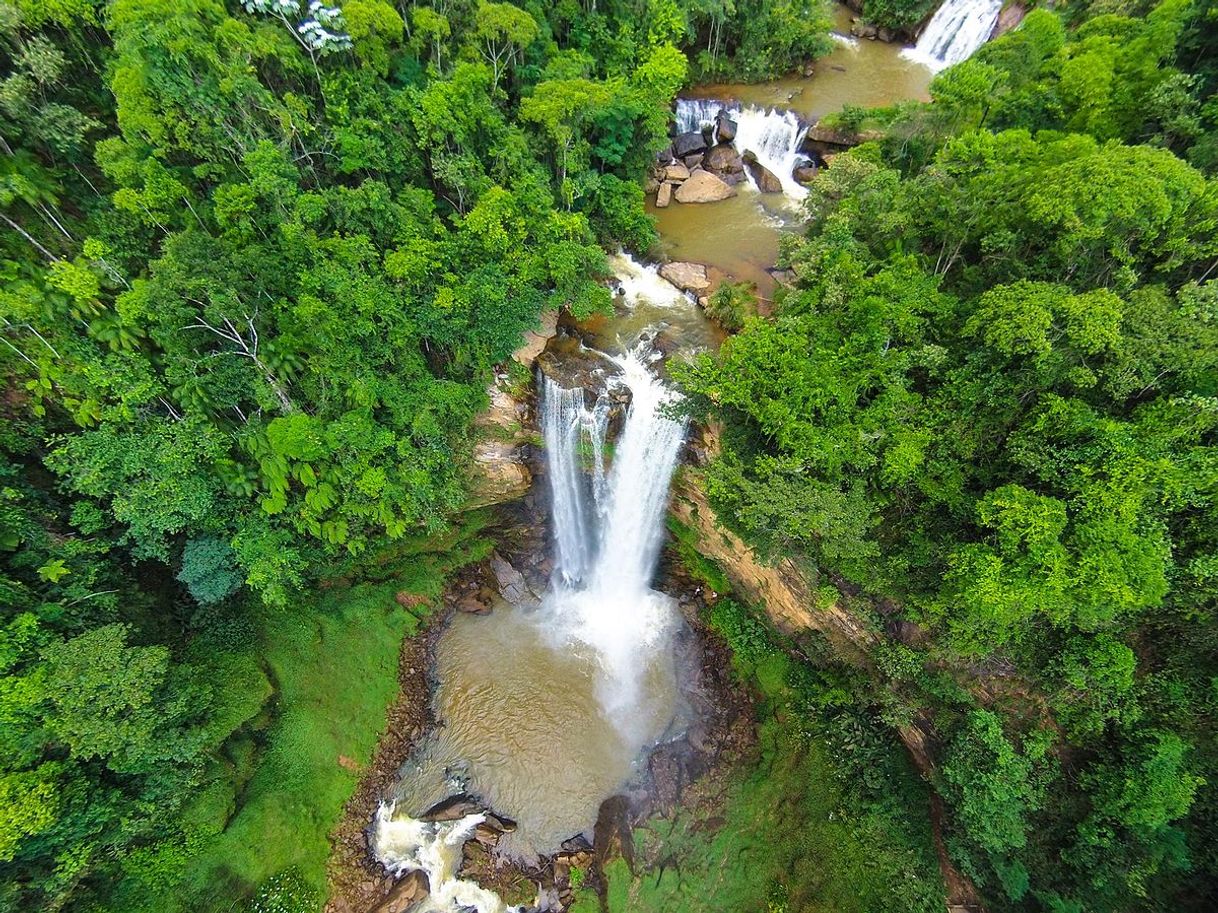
[
  {"x": 740, "y": 235},
  {"x": 548, "y": 705}
]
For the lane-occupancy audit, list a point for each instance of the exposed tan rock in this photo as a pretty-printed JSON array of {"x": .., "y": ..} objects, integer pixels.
[
  {"x": 687, "y": 276},
  {"x": 676, "y": 173},
  {"x": 664, "y": 195},
  {"x": 535, "y": 340},
  {"x": 704, "y": 187},
  {"x": 500, "y": 474}
]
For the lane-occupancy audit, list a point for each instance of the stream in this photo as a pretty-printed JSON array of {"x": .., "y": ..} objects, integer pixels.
[{"x": 549, "y": 704}]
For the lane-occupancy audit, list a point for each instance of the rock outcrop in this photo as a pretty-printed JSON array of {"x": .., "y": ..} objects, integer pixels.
[
  {"x": 767, "y": 181},
  {"x": 704, "y": 187},
  {"x": 500, "y": 470},
  {"x": 725, "y": 163},
  {"x": 535, "y": 340},
  {"x": 409, "y": 891},
  {"x": 687, "y": 276},
  {"x": 688, "y": 144}
]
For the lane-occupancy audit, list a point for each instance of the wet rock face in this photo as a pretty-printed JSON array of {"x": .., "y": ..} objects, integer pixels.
[
  {"x": 410, "y": 890},
  {"x": 704, "y": 187},
  {"x": 570, "y": 365},
  {"x": 725, "y": 128},
  {"x": 767, "y": 181},
  {"x": 688, "y": 144}
]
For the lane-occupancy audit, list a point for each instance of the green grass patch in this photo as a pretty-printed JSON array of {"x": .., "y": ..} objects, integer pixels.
[
  {"x": 298, "y": 689},
  {"x": 335, "y": 666}
]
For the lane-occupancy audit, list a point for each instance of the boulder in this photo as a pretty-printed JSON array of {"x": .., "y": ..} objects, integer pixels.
[
  {"x": 676, "y": 173},
  {"x": 723, "y": 161},
  {"x": 512, "y": 586},
  {"x": 688, "y": 144},
  {"x": 704, "y": 187},
  {"x": 409, "y": 890},
  {"x": 454, "y": 808},
  {"x": 687, "y": 276},
  {"x": 693, "y": 161},
  {"x": 725, "y": 128},
  {"x": 664, "y": 195},
  {"x": 767, "y": 181},
  {"x": 805, "y": 174}
]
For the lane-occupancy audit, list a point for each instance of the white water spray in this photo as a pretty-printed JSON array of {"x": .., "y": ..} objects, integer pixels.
[
  {"x": 607, "y": 606},
  {"x": 775, "y": 137},
  {"x": 958, "y": 28},
  {"x": 435, "y": 848}
]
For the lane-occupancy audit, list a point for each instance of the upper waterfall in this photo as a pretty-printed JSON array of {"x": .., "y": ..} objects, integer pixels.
[
  {"x": 956, "y": 30},
  {"x": 775, "y": 136}
]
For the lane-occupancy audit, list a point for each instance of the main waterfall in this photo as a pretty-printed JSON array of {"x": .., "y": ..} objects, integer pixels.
[
  {"x": 956, "y": 30},
  {"x": 608, "y": 528},
  {"x": 544, "y": 709}
]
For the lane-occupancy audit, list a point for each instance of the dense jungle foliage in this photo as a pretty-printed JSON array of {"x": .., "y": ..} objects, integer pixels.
[
  {"x": 989, "y": 404},
  {"x": 258, "y": 261}
]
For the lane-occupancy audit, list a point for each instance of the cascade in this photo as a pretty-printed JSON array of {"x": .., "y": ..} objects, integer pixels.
[
  {"x": 608, "y": 605},
  {"x": 958, "y": 28},
  {"x": 601, "y": 624},
  {"x": 693, "y": 114},
  {"x": 773, "y": 135}
]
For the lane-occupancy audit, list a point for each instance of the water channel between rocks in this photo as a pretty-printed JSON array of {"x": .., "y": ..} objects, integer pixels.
[{"x": 740, "y": 235}]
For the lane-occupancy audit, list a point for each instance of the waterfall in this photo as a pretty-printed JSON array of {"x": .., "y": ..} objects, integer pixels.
[
  {"x": 775, "y": 137},
  {"x": 573, "y": 428},
  {"x": 693, "y": 114},
  {"x": 956, "y": 30},
  {"x": 608, "y": 519},
  {"x": 607, "y": 605}
]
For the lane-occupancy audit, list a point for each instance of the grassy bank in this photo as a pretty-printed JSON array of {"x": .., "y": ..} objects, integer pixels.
[{"x": 305, "y": 692}]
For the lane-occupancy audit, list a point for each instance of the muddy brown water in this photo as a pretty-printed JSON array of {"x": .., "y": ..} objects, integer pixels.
[
  {"x": 522, "y": 727},
  {"x": 740, "y": 235}
]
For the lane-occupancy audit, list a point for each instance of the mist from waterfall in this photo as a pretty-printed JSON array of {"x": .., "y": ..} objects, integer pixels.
[
  {"x": 773, "y": 135},
  {"x": 955, "y": 32},
  {"x": 608, "y": 528}
]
